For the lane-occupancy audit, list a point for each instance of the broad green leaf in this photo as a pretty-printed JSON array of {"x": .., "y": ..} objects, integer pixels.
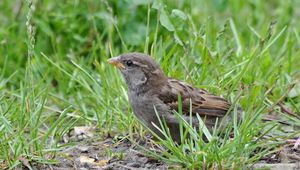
[
  {"x": 163, "y": 17},
  {"x": 165, "y": 21},
  {"x": 157, "y": 4},
  {"x": 177, "y": 39},
  {"x": 179, "y": 13}
]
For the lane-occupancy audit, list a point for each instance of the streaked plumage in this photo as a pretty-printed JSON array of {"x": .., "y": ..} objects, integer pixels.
[{"x": 148, "y": 87}]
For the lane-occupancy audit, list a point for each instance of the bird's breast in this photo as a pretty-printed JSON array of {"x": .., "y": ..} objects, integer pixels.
[{"x": 144, "y": 107}]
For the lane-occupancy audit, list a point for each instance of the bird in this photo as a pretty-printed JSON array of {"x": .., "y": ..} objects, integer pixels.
[{"x": 151, "y": 92}]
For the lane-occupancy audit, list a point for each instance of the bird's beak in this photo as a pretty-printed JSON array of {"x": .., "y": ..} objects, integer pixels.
[{"x": 115, "y": 61}]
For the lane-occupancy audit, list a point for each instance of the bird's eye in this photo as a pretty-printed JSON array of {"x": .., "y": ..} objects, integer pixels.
[{"x": 129, "y": 63}]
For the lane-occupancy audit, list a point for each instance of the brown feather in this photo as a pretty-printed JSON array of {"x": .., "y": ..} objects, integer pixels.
[
  {"x": 151, "y": 92},
  {"x": 203, "y": 103}
]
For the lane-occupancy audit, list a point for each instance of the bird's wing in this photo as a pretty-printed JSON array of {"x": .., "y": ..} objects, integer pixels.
[{"x": 203, "y": 103}]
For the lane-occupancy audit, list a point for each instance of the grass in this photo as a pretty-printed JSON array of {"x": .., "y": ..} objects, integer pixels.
[{"x": 55, "y": 76}]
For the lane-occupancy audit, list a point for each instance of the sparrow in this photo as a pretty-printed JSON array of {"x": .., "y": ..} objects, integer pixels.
[{"x": 150, "y": 91}]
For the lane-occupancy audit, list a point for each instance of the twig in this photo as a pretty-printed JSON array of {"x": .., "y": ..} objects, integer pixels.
[
  {"x": 297, "y": 143},
  {"x": 287, "y": 110}
]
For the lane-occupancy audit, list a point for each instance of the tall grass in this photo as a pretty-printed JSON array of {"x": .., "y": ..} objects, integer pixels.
[{"x": 54, "y": 74}]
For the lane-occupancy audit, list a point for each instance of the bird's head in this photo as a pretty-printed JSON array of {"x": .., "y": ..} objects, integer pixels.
[{"x": 139, "y": 70}]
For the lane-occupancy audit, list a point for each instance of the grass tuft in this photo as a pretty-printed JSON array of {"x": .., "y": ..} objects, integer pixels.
[{"x": 54, "y": 75}]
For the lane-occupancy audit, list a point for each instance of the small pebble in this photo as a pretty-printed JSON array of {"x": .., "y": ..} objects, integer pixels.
[
  {"x": 83, "y": 149},
  {"x": 134, "y": 164}
]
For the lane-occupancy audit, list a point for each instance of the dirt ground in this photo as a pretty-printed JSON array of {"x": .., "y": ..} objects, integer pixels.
[
  {"x": 91, "y": 152},
  {"x": 107, "y": 154},
  {"x": 88, "y": 152}
]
